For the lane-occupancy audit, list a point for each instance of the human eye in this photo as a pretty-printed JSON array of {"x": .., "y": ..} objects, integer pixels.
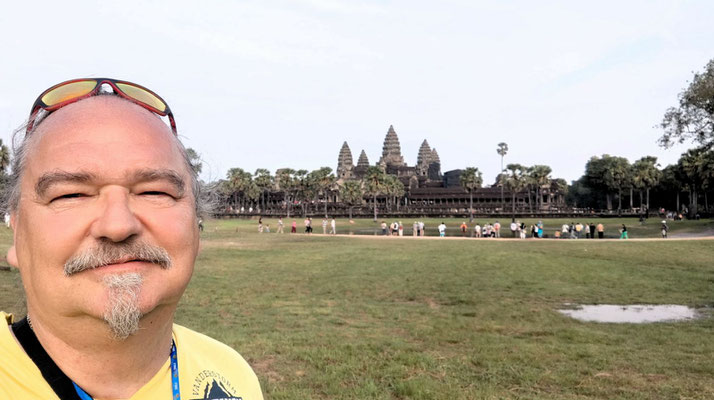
[{"x": 67, "y": 196}]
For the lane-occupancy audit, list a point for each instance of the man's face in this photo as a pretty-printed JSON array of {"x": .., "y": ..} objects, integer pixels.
[{"x": 102, "y": 170}]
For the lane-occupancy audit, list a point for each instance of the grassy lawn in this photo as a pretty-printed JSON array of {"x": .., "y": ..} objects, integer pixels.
[{"x": 324, "y": 317}]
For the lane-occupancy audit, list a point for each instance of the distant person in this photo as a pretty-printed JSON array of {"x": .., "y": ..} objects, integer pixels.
[
  {"x": 463, "y": 228},
  {"x": 200, "y": 224},
  {"x": 514, "y": 228},
  {"x": 497, "y": 229},
  {"x": 324, "y": 226},
  {"x": 267, "y": 228},
  {"x": 384, "y": 228},
  {"x": 293, "y": 227},
  {"x": 592, "y": 230},
  {"x": 333, "y": 227},
  {"x": 477, "y": 230},
  {"x": 260, "y": 225},
  {"x": 442, "y": 229},
  {"x": 7, "y": 220},
  {"x": 564, "y": 230},
  {"x": 415, "y": 229},
  {"x": 395, "y": 228},
  {"x": 421, "y": 228},
  {"x": 623, "y": 232},
  {"x": 665, "y": 229},
  {"x": 401, "y": 229},
  {"x": 600, "y": 230},
  {"x": 280, "y": 225}
]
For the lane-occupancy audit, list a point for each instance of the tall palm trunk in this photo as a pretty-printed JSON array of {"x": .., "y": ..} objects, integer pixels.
[
  {"x": 374, "y": 202},
  {"x": 471, "y": 206}
]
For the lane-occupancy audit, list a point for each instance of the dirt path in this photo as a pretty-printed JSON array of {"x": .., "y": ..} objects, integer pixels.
[{"x": 709, "y": 236}]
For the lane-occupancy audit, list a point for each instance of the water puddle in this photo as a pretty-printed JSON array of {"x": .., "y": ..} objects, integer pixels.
[{"x": 634, "y": 314}]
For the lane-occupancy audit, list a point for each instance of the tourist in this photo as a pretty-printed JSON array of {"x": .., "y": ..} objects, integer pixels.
[
  {"x": 324, "y": 226},
  {"x": 401, "y": 229},
  {"x": 384, "y": 228},
  {"x": 395, "y": 228},
  {"x": 260, "y": 224},
  {"x": 623, "y": 232},
  {"x": 421, "y": 228},
  {"x": 514, "y": 228},
  {"x": 442, "y": 229},
  {"x": 200, "y": 224},
  {"x": 600, "y": 230},
  {"x": 571, "y": 230},
  {"x": 267, "y": 228},
  {"x": 592, "y": 230},
  {"x": 477, "y": 230},
  {"x": 665, "y": 229},
  {"x": 463, "y": 228},
  {"x": 557, "y": 234},
  {"x": 306, "y": 222},
  {"x": 415, "y": 229},
  {"x": 540, "y": 230},
  {"x": 578, "y": 230},
  {"x": 522, "y": 230},
  {"x": 497, "y": 229},
  {"x": 103, "y": 274},
  {"x": 280, "y": 225},
  {"x": 293, "y": 227},
  {"x": 333, "y": 226},
  {"x": 534, "y": 231},
  {"x": 564, "y": 231}
]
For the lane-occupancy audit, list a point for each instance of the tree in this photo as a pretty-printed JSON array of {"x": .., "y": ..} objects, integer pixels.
[
  {"x": 471, "y": 179},
  {"x": 264, "y": 181},
  {"x": 4, "y": 164},
  {"x": 375, "y": 180},
  {"x": 351, "y": 193},
  {"x": 238, "y": 183},
  {"x": 194, "y": 159},
  {"x": 540, "y": 176},
  {"x": 645, "y": 176},
  {"x": 322, "y": 180},
  {"x": 502, "y": 151},
  {"x": 694, "y": 118},
  {"x": 286, "y": 182},
  {"x": 607, "y": 174},
  {"x": 516, "y": 179},
  {"x": 394, "y": 189}
]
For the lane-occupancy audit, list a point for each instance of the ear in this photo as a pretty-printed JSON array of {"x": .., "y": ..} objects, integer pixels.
[{"x": 11, "y": 253}]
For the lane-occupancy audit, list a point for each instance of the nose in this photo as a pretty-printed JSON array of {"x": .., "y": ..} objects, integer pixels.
[{"x": 116, "y": 221}]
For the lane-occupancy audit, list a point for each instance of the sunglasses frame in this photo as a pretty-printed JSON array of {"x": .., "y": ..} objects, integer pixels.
[{"x": 41, "y": 105}]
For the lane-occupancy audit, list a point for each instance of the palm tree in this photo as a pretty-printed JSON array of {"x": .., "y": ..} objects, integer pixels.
[
  {"x": 517, "y": 179},
  {"x": 375, "y": 180},
  {"x": 502, "y": 151},
  {"x": 321, "y": 180},
  {"x": 238, "y": 182},
  {"x": 351, "y": 193},
  {"x": 394, "y": 189},
  {"x": 540, "y": 175},
  {"x": 471, "y": 179},
  {"x": 646, "y": 175},
  {"x": 194, "y": 159},
  {"x": 4, "y": 157},
  {"x": 286, "y": 181},
  {"x": 264, "y": 181}
]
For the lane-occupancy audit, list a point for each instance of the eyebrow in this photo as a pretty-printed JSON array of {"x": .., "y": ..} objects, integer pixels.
[
  {"x": 49, "y": 179},
  {"x": 171, "y": 176}
]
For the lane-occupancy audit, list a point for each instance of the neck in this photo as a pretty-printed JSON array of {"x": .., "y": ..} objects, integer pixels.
[{"x": 107, "y": 368}]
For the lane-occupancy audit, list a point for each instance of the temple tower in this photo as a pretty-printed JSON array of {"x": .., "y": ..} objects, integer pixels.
[
  {"x": 391, "y": 151},
  {"x": 363, "y": 161},
  {"x": 344, "y": 162},
  {"x": 423, "y": 159}
]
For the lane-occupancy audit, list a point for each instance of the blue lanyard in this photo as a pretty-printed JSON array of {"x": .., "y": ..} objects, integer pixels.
[{"x": 174, "y": 378}]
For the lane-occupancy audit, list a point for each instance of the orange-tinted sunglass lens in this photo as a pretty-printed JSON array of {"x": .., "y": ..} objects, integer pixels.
[
  {"x": 67, "y": 92},
  {"x": 142, "y": 95}
]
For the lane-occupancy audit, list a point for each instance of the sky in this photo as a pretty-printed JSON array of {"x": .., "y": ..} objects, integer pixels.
[{"x": 274, "y": 84}]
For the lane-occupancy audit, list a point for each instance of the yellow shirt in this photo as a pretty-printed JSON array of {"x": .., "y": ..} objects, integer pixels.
[{"x": 208, "y": 369}]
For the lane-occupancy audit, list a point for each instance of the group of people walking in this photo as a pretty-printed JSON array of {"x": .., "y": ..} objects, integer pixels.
[{"x": 332, "y": 224}]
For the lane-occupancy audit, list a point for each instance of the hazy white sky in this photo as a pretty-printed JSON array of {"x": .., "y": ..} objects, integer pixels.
[{"x": 283, "y": 83}]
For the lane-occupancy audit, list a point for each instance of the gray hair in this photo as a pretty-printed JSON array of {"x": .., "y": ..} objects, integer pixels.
[{"x": 22, "y": 142}]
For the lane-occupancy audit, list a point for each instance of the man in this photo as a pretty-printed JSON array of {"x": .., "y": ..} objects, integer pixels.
[
  {"x": 280, "y": 225},
  {"x": 514, "y": 228},
  {"x": 497, "y": 229},
  {"x": 333, "y": 226},
  {"x": 600, "y": 230},
  {"x": 442, "y": 229},
  {"x": 104, "y": 212}
]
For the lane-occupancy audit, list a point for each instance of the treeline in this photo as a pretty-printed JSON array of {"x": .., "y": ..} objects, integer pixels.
[{"x": 611, "y": 182}]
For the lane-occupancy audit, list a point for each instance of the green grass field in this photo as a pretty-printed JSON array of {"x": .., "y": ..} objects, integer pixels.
[{"x": 324, "y": 317}]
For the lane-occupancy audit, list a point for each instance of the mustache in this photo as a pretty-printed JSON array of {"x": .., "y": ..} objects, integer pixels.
[{"x": 106, "y": 253}]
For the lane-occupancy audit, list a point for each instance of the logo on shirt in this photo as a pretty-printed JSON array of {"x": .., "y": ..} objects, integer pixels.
[{"x": 211, "y": 385}]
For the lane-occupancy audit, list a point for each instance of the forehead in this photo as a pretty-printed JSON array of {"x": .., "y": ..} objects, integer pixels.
[{"x": 105, "y": 134}]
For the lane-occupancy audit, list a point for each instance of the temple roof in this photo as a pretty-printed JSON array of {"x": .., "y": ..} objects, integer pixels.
[
  {"x": 424, "y": 157},
  {"x": 363, "y": 161},
  {"x": 391, "y": 151},
  {"x": 435, "y": 156},
  {"x": 345, "y": 157}
]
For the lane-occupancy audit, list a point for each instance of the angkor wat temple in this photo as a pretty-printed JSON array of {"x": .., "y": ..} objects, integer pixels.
[{"x": 429, "y": 192}]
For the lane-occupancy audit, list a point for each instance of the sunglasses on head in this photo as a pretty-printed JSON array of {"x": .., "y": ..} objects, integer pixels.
[{"x": 72, "y": 91}]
